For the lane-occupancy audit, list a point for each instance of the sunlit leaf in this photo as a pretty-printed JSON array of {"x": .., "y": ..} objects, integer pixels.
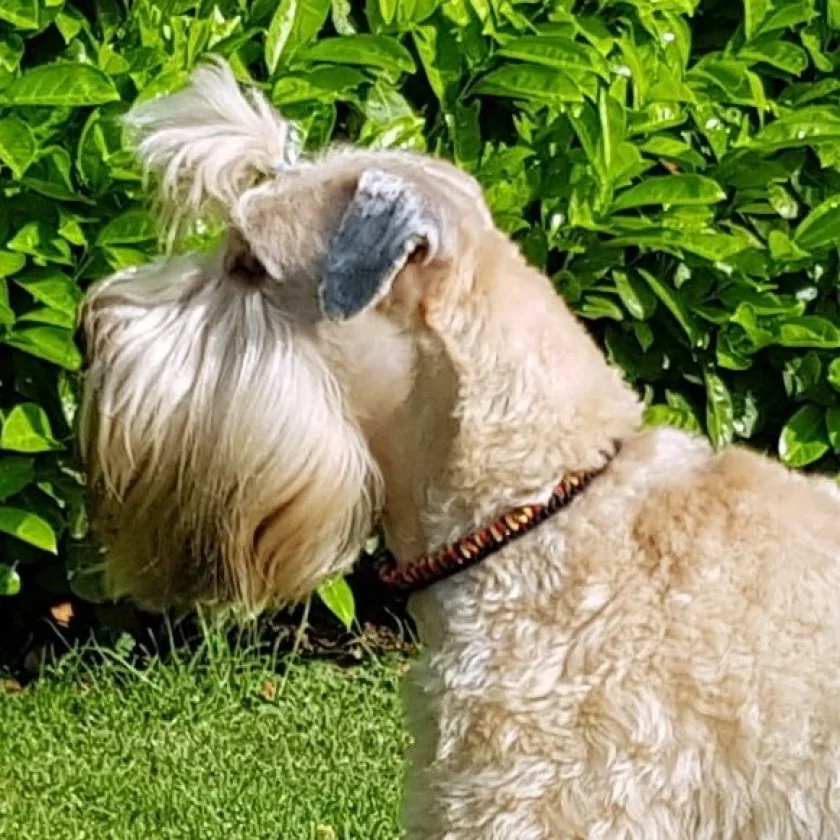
[
  {"x": 719, "y": 410},
  {"x": 49, "y": 343},
  {"x": 29, "y": 527},
  {"x": 64, "y": 84},
  {"x": 338, "y": 597},
  {"x": 533, "y": 83},
  {"x": 673, "y": 300},
  {"x": 671, "y": 189},
  {"x": 18, "y": 145},
  {"x": 26, "y": 428},
  {"x": 804, "y": 438},
  {"x": 22, "y": 14},
  {"x": 364, "y": 50},
  {"x": 821, "y": 227},
  {"x": 130, "y": 227},
  {"x": 10, "y": 584}
]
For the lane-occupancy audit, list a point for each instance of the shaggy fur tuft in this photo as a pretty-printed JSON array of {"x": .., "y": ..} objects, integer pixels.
[{"x": 207, "y": 143}]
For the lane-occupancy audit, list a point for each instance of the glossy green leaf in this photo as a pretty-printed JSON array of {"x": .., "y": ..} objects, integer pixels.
[
  {"x": 50, "y": 175},
  {"x": 754, "y": 13},
  {"x": 782, "y": 55},
  {"x": 308, "y": 18},
  {"x": 834, "y": 374},
  {"x": 53, "y": 288},
  {"x": 467, "y": 135},
  {"x": 45, "y": 315},
  {"x": 11, "y": 263},
  {"x": 294, "y": 24},
  {"x": 338, "y": 597},
  {"x": 804, "y": 438},
  {"x": 279, "y": 31},
  {"x": 821, "y": 227},
  {"x": 64, "y": 84},
  {"x": 18, "y": 145},
  {"x": 635, "y": 294},
  {"x": 782, "y": 201},
  {"x": 832, "y": 423},
  {"x": 29, "y": 527},
  {"x": 804, "y": 93},
  {"x": 664, "y": 146},
  {"x": 598, "y": 306},
  {"x": 783, "y": 248},
  {"x": 787, "y": 13},
  {"x": 671, "y": 189},
  {"x": 49, "y": 343},
  {"x": 735, "y": 83},
  {"x": 364, "y": 50},
  {"x": 22, "y": 14},
  {"x": 325, "y": 84},
  {"x": 673, "y": 300},
  {"x": 757, "y": 334},
  {"x": 709, "y": 244},
  {"x": 538, "y": 84},
  {"x": 808, "y": 331},
  {"x": 803, "y": 127},
  {"x": 10, "y": 584},
  {"x": 36, "y": 239},
  {"x": 70, "y": 228},
  {"x": 11, "y": 52},
  {"x": 442, "y": 60},
  {"x": 7, "y": 314},
  {"x": 130, "y": 227},
  {"x": 719, "y": 410},
  {"x": 556, "y": 51},
  {"x": 666, "y": 415},
  {"x": 16, "y": 473},
  {"x": 69, "y": 23},
  {"x": 410, "y": 13},
  {"x": 388, "y": 10},
  {"x": 26, "y": 428},
  {"x": 342, "y": 17}
]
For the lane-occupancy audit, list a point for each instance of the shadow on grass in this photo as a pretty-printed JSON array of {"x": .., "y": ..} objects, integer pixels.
[{"x": 43, "y": 628}]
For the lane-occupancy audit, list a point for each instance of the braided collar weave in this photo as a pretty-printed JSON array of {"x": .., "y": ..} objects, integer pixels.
[{"x": 477, "y": 546}]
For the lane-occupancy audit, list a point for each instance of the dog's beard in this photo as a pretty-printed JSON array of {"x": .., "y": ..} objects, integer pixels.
[{"x": 223, "y": 465}]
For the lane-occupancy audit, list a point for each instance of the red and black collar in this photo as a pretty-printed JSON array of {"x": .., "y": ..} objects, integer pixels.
[{"x": 472, "y": 549}]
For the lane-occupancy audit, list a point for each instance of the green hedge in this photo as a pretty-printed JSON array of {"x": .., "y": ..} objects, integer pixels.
[{"x": 674, "y": 166}]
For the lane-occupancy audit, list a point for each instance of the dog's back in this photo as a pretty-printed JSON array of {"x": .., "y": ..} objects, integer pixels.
[{"x": 665, "y": 666}]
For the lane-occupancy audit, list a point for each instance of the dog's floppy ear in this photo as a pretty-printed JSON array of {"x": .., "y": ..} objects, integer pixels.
[{"x": 388, "y": 220}]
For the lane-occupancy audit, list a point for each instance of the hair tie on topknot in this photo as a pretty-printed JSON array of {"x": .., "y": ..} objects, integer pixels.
[{"x": 292, "y": 147}]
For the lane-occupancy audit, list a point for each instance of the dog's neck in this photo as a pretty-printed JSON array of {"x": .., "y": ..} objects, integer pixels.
[{"x": 512, "y": 396}]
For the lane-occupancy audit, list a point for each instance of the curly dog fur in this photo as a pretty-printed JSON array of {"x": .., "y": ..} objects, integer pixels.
[{"x": 658, "y": 661}]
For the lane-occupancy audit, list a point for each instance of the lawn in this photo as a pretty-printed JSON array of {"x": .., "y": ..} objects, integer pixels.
[{"x": 223, "y": 747}]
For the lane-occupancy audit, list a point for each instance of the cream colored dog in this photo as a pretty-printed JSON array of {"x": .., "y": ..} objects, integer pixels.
[{"x": 658, "y": 660}]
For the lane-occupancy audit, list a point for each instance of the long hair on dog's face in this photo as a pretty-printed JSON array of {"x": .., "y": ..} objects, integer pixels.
[
  {"x": 219, "y": 448},
  {"x": 223, "y": 463}
]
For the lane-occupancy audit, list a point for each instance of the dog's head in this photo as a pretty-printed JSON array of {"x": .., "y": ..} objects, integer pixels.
[
  {"x": 220, "y": 424},
  {"x": 237, "y": 402}
]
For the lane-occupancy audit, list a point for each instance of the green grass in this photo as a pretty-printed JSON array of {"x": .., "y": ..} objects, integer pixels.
[{"x": 219, "y": 748}]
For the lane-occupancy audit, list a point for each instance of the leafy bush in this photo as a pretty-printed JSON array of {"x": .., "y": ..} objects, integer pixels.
[{"x": 674, "y": 165}]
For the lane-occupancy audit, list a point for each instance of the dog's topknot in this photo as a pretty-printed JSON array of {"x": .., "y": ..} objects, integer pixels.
[{"x": 209, "y": 142}]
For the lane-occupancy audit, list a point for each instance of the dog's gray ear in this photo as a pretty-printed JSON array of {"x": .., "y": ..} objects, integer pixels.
[{"x": 388, "y": 219}]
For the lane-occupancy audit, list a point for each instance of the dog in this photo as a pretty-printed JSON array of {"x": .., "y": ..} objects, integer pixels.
[{"x": 626, "y": 633}]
